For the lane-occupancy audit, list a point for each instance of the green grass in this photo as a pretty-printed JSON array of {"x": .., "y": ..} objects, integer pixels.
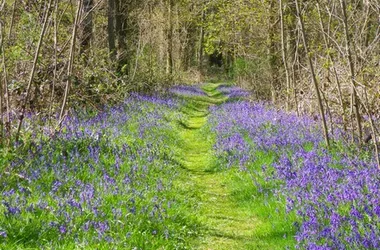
[{"x": 275, "y": 230}]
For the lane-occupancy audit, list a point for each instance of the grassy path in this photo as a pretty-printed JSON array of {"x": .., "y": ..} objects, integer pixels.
[
  {"x": 234, "y": 213},
  {"x": 228, "y": 226}
]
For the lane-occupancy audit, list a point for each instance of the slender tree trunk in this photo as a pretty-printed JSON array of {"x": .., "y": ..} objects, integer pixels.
[
  {"x": 331, "y": 59},
  {"x": 284, "y": 57},
  {"x": 373, "y": 128},
  {"x": 314, "y": 78},
  {"x": 1, "y": 100},
  {"x": 169, "y": 63},
  {"x": 121, "y": 13},
  {"x": 328, "y": 112},
  {"x": 2, "y": 121},
  {"x": 111, "y": 30},
  {"x": 201, "y": 40},
  {"x": 55, "y": 61},
  {"x": 32, "y": 72},
  {"x": 293, "y": 41},
  {"x": 6, "y": 92},
  {"x": 297, "y": 68},
  {"x": 355, "y": 100},
  {"x": 12, "y": 20},
  {"x": 70, "y": 64},
  {"x": 272, "y": 51},
  {"x": 294, "y": 87},
  {"x": 151, "y": 50},
  {"x": 2, "y": 85}
]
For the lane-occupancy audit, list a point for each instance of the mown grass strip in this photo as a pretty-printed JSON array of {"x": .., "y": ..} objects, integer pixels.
[{"x": 234, "y": 211}]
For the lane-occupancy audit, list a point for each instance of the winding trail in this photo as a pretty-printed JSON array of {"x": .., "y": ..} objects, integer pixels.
[{"x": 227, "y": 225}]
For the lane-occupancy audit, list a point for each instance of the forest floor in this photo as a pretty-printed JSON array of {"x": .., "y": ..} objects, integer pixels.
[
  {"x": 203, "y": 167},
  {"x": 143, "y": 175}
]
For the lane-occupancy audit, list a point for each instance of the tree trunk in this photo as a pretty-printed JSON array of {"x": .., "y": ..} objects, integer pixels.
[
  {"x": 201, "y": 40},
  {"x": 355, "y": 100},
  {"x": 111, "y": 30},
  {"x": 272, "y": 51},
  {"x": 373, "y": 128},
  {"x": 293, "y": 51},
  {"x": 55, "y": 71},
  {"x": 6, "y": 91},
  {"x": 169, "y": 58},
  {"x": 121, "y": 13},
  {"x": 284, "y": 57},
  {"x": 70, "y": 64},
  {"x": 12, "y": 20},
  {"x": 1, "y": 97}
]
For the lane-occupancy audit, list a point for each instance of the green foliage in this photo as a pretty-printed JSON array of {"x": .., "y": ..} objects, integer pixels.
[{"x": 246, "y": 68}]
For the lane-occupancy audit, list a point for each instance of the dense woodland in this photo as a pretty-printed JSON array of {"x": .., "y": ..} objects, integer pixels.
[
  {"x": 308, "y": 56},
  {"x": 183, "y": 124}
]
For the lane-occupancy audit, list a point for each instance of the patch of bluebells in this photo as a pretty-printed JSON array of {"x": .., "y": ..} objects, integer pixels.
[
  {"x": 103, "y": 179},
  {"x": 335, "y": 194},
  {"x": 187, "y": 90},
  {"x": 233, "y": 92}
]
